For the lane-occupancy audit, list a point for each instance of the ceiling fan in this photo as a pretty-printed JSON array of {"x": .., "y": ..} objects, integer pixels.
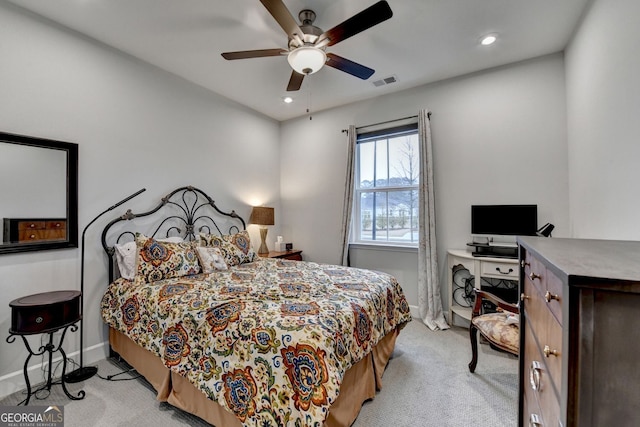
[{"x": 306, "y": 50}]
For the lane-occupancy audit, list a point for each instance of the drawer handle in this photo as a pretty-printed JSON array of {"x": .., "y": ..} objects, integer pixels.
[
  {"x": 533, "y": 276},
  {"x": 535, "y": 421},
  {"x": 504, "y": 272},
  {"x": 548, "y": 352},
  {"x": 524, "y": 296},
  {"x": 534, "y": 375},
  {"x": 32, "y": 225},
  {"x": 33, "y": 236},
  {"x": 548, "y": 296}
]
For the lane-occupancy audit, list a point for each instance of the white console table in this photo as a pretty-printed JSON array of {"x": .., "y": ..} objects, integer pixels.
[{"x": 466, "y": 266}]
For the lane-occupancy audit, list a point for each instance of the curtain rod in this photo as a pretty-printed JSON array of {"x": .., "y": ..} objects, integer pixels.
[{"x": 387, "y": 121}]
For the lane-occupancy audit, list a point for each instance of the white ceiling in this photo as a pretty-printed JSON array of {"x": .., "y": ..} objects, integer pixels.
[{"x": 424, "y": 41}]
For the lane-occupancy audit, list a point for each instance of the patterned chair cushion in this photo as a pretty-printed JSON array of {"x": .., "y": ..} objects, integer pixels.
[
  {"x": 500, "y": 330},
  {"x": 159, "y": 260},
  {"x": 236, "y": 248}
]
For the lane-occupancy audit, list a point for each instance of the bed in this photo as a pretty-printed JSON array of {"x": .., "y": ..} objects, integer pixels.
[{"x": 240, "y": 340}]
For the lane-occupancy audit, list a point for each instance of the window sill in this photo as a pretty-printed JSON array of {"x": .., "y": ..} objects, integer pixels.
[{"x": 385, "y": 247}]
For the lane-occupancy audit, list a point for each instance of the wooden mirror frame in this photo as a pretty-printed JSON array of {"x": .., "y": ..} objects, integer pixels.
[{"x": 72, "y": 193}]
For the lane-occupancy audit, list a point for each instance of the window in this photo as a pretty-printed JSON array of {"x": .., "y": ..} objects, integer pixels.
[{"x": 386, "y": 186}]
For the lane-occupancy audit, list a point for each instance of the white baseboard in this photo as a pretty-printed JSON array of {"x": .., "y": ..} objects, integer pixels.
[
  {"x": 14, "y": 381},
  {"x": 415, "y": 311}
]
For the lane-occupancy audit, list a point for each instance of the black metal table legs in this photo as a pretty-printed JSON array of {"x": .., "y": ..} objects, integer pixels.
[{"x": 47, "y": 348}]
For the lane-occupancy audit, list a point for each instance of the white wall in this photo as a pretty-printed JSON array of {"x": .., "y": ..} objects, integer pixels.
[
  {"x": 603, "y": 98},
  {"x": 499, "y": 137},
  {"x": 136, "y": 127}
]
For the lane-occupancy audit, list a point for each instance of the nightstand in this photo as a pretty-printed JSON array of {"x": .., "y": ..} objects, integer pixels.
[
  {"x": 45, "y": 313},
  {"x": 293, "y": 254}
]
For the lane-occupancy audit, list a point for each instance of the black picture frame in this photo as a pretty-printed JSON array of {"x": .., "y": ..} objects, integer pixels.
[{"x": 71, "y": 150}]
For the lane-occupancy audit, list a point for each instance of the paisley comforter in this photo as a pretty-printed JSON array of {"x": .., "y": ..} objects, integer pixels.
[{"x": 269, "y": 340}]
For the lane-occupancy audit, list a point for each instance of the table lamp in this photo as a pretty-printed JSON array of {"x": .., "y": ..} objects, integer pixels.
[{"x": 261, "y": 215}]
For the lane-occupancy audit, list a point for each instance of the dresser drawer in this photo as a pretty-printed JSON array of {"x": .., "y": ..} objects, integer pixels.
[
  {"x": 553, "y": 295},
  {"x": 547, "y": 282},
  {"x": 546, "y": 329},
  {"x": 56, "y": 225},
  {"x": 531, "y": 408},
  {"x": 535, "y": 308},
  {"x": 40, "y": 235},
  {"x": 538, "y": 383},
  {"x": 500, "y": 270},
  {"x": 48, "y": 311},
  {"x": 31, "y": 235},
  {"x": 31, "y": 225},
  {"x": 551, "y": 347},
  {"x": 535, "y": 271}
]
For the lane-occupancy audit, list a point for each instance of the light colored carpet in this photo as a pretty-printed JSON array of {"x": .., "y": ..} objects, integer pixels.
[{"x": 427, "y": 383}]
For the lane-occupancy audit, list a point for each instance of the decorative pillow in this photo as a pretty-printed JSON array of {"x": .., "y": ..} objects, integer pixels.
[
  {"x": 211, "y": 259},
  {"x": 126, "y": 256},
  {"x": 172, "y": 239},
  {"x": 236, "y": 248},
  {"x": 164, "y": 260},
  {"x": 126, "y": 259}
]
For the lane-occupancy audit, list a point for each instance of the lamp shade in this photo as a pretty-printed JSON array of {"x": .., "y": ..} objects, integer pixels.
[
  {"x": 307, "y": 59},
  {"x": 261, "y": 215}
]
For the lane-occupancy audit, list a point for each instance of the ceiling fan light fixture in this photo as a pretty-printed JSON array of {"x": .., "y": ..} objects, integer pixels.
[{"x": 307, "y": 59}]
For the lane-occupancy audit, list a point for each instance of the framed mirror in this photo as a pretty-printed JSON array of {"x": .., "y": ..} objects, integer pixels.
[{"x": 39, "y": 191}]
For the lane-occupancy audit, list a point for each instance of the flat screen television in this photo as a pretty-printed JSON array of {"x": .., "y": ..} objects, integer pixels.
[{"x": 509, "y": 220}]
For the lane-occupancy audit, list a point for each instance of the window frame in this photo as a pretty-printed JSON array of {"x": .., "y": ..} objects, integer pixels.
[{"x": 386, "y": 133}]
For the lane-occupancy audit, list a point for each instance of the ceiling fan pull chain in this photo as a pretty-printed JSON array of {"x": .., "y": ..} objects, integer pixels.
[{"x": 309, "y": 99}]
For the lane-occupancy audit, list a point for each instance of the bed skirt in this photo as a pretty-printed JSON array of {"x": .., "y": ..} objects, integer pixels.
[{"x": 359, "y": 384}]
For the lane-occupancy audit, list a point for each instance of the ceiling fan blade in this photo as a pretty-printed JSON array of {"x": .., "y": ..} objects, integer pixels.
[
  {"x": 359, "y": 22},
  {"x": 348, "y": 66},
  {"x": 295, "y": 82},
  {"x": 281, "y": 14},
  {"x": 245, "y": 54}
]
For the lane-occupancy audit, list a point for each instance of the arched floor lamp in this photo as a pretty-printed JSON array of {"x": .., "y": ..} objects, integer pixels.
[{"x": 86, "y": 372}]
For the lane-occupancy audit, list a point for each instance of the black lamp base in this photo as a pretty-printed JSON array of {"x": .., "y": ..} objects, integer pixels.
[{"x": 80, "y": 374}]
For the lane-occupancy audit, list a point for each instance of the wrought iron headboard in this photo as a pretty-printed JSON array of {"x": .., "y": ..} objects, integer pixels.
[{"x": 188, "y": 210}]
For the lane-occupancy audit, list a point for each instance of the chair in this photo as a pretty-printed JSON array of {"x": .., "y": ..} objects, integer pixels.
[{"x": 501, "y": 329}]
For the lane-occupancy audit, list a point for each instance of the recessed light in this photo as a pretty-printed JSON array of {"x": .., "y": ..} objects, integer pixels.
[
  {"x": 287, "y": 100},
  {"x": 488, "y": 39}
]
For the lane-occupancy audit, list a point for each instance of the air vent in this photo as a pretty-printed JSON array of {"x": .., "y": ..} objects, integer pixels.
[{"x": 385, "y": 81}]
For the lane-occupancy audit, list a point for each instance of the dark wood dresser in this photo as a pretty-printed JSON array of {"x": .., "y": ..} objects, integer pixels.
[
  {"x": 21, "y": 230},
  {"x": 579, "y": 344}
]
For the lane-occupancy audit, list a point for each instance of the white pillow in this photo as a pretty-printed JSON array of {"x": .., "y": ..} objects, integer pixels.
[
  {"x": 211, "y": 259},
  {"x": 126, "y": 258},
  {"x": 174, "y": 239}
]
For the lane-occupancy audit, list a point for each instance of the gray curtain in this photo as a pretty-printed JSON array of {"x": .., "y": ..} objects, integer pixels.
[
  {"x": 347, "y": 210},
  {"x": 429, "y": 300}
]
